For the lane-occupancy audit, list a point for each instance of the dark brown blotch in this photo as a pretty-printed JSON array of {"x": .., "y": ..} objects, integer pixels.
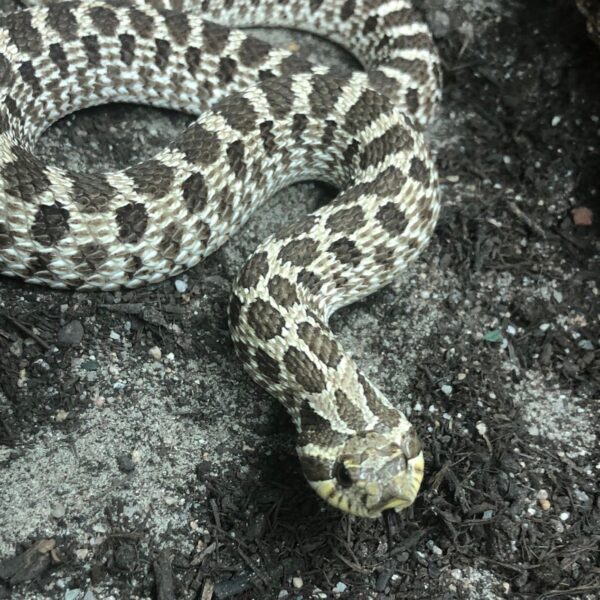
[
  {"x": 22, "y": 33},
  {"x": 92, "y": 49},
  {"x": 370, "y": 25},
  {"x": 267, "y": 136},
  {"x": 29, "y": 76},
  {"x": 367, "y": 109},
  {"x": 90, "y": 258},
  {"x": 279, "y": 95},
  {"x": 412, "y": 100},
  {"x": 348, "y": 411},
  {"x": 419, "y": 171},
  {"x": 12, "y": 107},
  {"x": 235, "y": 309},
  {"x": 298, "y": 228},
  {"x": 132, "y": 220},
  {"x": 105, "y": 20},
  {"x": 238, "y": 111},
  {"x": 404, "y": 16},
  {"x": 192, "y": 59},
  {"x": 420, "y": 41},
  {"x": 243, "y": 352},
  {"x": 92, "y": 192},
  {"x": 215, "y": 37},
  {"x": 179, "y": 28},
  {"x": 199, "y": 145},
  {"x": 346, "y": 252},
  {"x": 203, "y": 233},
  {"x": 127, "y": 50},
  {"x": 268, "y": 366},
  {"x": 142, "y": 23},
  {"x": 348, "y": 9},
  {"x": 309, "y": 280},
  {"x": 385, "y": 255},
  {"x": 299, "y": 253},
  {"x": 314, "y": 429},
  {"x": 304, "y": 370},
  {"x": 151, "y": 178},
  {"x": 195, "y": 193},
  {"x": 6, "y": 72},
  {"x": 299, "y": 124},
  {"x": 293, "y": 64},
  {"x": 235, "y": 155},
  {"x": 253, "y": 51},
  {"x": 395, "y": 139},
  {"x": 162, "y": 54},
  {"x": 5, "y": 236},
  {"x": 59, "y": 58},
  {"x": 282, "y": 291},
  {"x": 388, "y": 183},
  {"x": 227, "y": 69},
  {"x": 392, "y": 219},
  {"x": 51, "y": 224},
  {"x": 24, "y": 177},
  {"x": 389, "y": 416},
  {"x": 346, "y": 220},
  {"x": 61, "y": 18},
  {"x": 324, "y": 347},
  {"x": 350, "y": 152},
  {"x": 324, "y": 94},
  {"x": 170, "y": 243},
  {"x": 265, "y": 320},
  {"x": 254, "y": 269},
  {"x": 225, "y": 200}
]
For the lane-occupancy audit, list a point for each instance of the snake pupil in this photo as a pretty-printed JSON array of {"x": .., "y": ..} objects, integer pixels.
[{"x": 343, "y": 476}]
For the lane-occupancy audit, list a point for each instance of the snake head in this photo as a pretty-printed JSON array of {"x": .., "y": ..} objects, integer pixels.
[{"x": 372, "y": 472}]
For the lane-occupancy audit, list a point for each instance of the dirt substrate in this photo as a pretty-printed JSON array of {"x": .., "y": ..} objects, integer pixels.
[{"x": 131, "y": 438}]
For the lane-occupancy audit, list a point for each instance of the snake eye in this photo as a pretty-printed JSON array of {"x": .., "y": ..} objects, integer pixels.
[{"x": 343, "y": 475}]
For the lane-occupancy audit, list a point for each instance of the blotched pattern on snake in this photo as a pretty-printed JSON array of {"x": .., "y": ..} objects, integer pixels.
[{"x": 268, "y": 118}]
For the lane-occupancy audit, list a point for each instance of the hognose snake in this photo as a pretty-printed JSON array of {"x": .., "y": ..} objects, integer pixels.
[{"x": 268, "y": 119}]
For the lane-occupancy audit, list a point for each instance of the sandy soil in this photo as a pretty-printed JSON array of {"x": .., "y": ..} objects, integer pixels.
[{"x": 130, "y": 436}]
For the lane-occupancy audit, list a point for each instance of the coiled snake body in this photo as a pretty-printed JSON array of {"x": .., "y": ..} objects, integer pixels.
[{"x": 269, "y": 118}]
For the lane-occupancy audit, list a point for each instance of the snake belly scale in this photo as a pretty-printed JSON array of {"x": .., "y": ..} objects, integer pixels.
[{"x": 268, "y": 118}]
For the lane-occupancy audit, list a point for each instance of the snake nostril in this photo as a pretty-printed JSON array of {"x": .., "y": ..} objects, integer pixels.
[{"x": 412, "y": 444}]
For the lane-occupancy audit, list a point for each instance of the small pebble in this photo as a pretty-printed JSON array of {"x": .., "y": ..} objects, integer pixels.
[
  {"x": 582, "y": 216},
  {"x": 126, "y": 465},
  {"x": 81, "y": 553},
  {"x": 564, "y": 516},
  {"x": 61, "y": 416},
  {"x": 340, "y": 587},
  {"x": 447, "y": 389},
  {"x": 181, "y": 286},
  {"x": 297, "y": 582},
  {"x": 155, "y": 352},
  {"x": 70, "y": 334}
]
